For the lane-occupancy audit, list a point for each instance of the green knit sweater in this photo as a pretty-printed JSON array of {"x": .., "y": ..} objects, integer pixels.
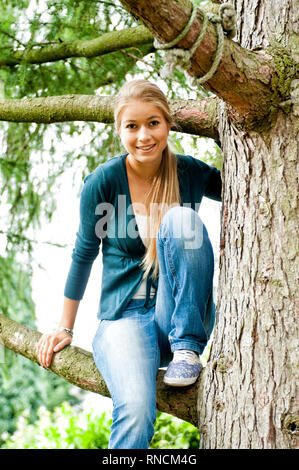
[{"x": 107, "y": 218}]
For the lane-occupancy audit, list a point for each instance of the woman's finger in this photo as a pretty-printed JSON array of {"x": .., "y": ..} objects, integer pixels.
[
  {"x": 48, "y": 353},
  {"x": 41, "y": 345},
  {"x": 62, "y": 344},
  {"x": 43, "y": 352}
]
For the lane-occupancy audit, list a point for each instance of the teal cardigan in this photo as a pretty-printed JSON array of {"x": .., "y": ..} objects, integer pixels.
[{"x": 105, "y": 215}]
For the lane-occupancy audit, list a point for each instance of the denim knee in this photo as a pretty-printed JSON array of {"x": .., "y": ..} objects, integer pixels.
[
  {"x": 138, "y": 412},
  {"x": 182, "y": 224},
  {"x": 133, "y": 425}
]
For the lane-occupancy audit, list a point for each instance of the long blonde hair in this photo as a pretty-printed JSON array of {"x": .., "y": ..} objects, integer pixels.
[{"x": 164, "y": 192}]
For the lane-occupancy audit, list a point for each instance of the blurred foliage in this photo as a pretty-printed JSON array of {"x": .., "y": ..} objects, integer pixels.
[
  {"x": 63, "y": 428},
  {"x": 69, "y": 427},
  {"x": 23, "y": 385},
  {"x": 33, "y": 156},
  {"x": 174, "y": 433}
]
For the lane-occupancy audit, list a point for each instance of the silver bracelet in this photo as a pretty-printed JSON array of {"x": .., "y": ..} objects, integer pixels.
[{"x": 70, "y": 332}]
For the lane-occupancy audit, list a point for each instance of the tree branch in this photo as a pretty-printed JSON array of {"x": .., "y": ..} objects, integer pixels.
[
  {"x": 197, "y": 117},
  {"x": 243, "y": 79},
  {"x": 77, "y": 366},
  {"x": 108, "y": 42}
]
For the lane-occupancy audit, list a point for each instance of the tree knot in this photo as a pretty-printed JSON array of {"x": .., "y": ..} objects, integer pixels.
[{"x": 222, "y": 363}]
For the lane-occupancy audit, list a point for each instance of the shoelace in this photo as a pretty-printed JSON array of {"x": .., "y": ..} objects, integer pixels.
[{"x": 183, "y": 355}]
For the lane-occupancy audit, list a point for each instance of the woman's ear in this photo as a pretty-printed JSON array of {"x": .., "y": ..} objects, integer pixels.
[{"x": 117, "y": 130}]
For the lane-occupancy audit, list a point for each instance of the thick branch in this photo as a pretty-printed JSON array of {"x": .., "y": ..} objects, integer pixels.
[
  {"x": 108, "y": 42},
  {"x": 243, "y": 78},
  {"x": 77, "y": 367},
  {"x": 198, "y": 117}
]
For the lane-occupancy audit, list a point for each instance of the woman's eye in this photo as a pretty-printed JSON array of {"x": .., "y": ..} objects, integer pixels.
[
  {"x": 131, "y": 126},
  {"x": 154, "y": 123}
]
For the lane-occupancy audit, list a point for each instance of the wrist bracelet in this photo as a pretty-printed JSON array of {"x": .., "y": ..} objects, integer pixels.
[{"x": 70, "y": 332}]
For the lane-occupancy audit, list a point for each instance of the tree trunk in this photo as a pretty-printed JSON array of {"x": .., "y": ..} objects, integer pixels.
[
  {"x": 249, "y": 397},
  {"x": 251, "y": 384}
]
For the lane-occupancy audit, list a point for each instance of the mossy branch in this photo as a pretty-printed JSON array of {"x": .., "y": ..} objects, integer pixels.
[
  {"x": 197, "y": 117},
  {"x": 77, "y": 366},
  {"x": 108, "y": 42}
]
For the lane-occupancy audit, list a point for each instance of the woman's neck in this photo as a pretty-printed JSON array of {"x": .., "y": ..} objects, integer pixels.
[{"x": 142, "y": 171}]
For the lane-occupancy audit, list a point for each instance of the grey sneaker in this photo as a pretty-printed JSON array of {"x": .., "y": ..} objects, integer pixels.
[{"x": 184, "y": 369}]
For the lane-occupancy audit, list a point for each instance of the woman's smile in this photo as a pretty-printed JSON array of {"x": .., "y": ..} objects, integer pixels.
[
  {"x": 144, "y": 132},
  {"x": 147, "y": 149}
]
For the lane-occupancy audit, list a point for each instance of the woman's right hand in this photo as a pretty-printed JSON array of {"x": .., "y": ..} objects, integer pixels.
[{"x": 50, "y": 343}]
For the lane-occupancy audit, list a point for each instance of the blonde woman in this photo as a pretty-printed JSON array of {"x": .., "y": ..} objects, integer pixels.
[{"x": 156, "y": 307}]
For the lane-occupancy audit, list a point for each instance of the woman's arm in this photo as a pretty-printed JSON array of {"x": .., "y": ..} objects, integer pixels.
[
  {"x": 214, "y": 184},
  {"x": 85, "y": 251},
  {"x": 56, "y": 341}
]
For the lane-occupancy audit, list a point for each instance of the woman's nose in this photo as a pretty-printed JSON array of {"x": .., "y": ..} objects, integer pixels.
[{"x": 143, "y": 133}]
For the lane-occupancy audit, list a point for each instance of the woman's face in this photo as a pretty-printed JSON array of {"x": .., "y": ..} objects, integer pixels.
[{"x": 143, "y": 131}]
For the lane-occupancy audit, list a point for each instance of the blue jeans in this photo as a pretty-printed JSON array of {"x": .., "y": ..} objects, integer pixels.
[{"x": 128, "y": 352}]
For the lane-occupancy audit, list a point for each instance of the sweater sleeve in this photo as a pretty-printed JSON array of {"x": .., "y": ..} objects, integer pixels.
[
  {"x": 214, "y": 184},
  {"x": 87, "y": 241},
  {"x": 207, "y": 177}
]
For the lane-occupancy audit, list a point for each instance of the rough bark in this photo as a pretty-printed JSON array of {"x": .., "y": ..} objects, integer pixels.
[
  {"x": 77, "y": 366},
  {"x": 198, "y": 117},
  {"x": 250, "y": 398},
  {"x": 108, "y": 42},
  {"x": 251, "y": 378},
  {"x": 245, "y": 79}
]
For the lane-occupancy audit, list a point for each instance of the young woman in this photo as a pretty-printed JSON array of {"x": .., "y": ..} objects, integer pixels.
[{"x": 156, "y": 307}]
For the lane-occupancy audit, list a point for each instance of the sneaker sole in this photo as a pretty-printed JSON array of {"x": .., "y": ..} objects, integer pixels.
[{"x": 179, "y": 382}]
